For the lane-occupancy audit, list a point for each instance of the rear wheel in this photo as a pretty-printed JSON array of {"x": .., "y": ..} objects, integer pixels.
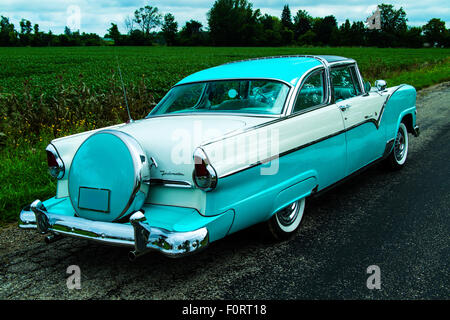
[
  {"x": 285, "y": 222},
  {"x": 397, "y": 158}
]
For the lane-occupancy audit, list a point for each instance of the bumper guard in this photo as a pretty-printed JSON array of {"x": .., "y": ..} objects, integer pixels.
[{"x": 416, "y": 131}]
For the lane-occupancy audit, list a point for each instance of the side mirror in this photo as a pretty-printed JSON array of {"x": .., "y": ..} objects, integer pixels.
[
  {"x": 380, "y": 85},
  {"x": 367, "y": 86}
]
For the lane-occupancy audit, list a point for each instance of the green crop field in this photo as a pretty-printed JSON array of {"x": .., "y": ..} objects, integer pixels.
[{"x": 53, "y": 92}]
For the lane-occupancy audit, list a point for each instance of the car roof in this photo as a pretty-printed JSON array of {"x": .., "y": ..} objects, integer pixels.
[{"x": 289, "y": 69}]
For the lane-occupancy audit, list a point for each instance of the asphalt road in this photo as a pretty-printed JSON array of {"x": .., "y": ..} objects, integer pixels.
[{"x": 399, "y": 221}]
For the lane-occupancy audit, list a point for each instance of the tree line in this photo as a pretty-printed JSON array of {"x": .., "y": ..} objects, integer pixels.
[
  {"x": 29, "y": 35},
  {"x": 236, "y": 23}
]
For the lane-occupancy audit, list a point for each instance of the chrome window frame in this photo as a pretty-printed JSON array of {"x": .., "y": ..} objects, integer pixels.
[
  {"x": 361, "y": 80},
  {"x": 327, "y": 93},
  {"x": 324, "y": 64},
  {"x": 345, "y": 64}
]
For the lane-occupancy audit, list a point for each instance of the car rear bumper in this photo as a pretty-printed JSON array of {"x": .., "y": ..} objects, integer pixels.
[{"x": 139, "y": 234}]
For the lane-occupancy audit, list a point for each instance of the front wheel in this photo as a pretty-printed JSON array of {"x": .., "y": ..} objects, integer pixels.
[
  {"x": 285, "y": 222},
  {"x": 397, "y": 159}
]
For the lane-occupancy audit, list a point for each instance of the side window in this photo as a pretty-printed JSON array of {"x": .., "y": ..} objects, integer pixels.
[
  {"x": 345, "y": 83},
  {"x": 356, "y": 81},
  {"x": 312, "y": 92}
]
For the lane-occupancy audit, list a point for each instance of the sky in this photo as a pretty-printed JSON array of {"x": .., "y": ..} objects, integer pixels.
[{"x": 96, "y": 15}]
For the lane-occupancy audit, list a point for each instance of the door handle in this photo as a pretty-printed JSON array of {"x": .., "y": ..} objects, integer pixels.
[{"x": 344, "y": 107}]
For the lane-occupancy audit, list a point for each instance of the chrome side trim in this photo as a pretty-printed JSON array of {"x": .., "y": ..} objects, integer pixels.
[
  {"x": 320, "y": 58},
  {"x": 378, "y": 121},
  {"x": 172, "y": 183},
  {"x": 342, "y": 62},
  {"x": 172, "y": 244},
  {"x": 283, "y": 153},
  {"x": 235, "y": 114}
]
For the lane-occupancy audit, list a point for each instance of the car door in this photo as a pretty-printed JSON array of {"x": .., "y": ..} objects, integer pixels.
[
  {"x": 365, "y": 141},
  {"x": 319, "y": 123}
]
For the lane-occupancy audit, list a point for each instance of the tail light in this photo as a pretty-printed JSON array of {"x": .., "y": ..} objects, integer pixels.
[
  {"x": 204, "y": 175},
  {"x": 55, "y": 163}
]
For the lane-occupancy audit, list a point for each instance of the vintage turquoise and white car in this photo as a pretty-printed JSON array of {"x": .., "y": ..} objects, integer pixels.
[{"x": 227, "y": 148}]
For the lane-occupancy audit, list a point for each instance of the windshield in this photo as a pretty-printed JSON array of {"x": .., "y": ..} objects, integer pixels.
[{"x": 233, "y": 96}]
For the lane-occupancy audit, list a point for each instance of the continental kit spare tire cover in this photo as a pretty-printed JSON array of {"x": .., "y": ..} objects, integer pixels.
[{"x": 109, "y": 176}]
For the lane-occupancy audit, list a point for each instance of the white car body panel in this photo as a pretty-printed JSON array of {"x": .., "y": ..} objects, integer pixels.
[{"x": 171, "y": 148}]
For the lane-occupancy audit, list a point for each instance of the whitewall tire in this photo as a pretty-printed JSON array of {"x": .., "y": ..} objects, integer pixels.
[
  {"x": 286, "y": 221},
  {"x": 397, "y": 158}
]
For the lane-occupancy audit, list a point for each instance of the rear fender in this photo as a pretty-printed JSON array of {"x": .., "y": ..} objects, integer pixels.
[{"x": 293, "y": 193}]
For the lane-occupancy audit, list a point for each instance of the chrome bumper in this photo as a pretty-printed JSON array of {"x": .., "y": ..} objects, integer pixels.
[{"x": 139, "y": 234}]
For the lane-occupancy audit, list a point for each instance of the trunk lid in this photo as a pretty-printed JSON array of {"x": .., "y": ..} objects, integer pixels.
[{"x": 171, "y": 140}]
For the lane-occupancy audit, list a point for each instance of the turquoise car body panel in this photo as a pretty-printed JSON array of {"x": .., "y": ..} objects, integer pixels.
[
  {"x": 399, "y": 105},
  {"x": 255, "y": 198},
  {"x": 367, "y": 142},
  {"x": 288, "y": 70}
]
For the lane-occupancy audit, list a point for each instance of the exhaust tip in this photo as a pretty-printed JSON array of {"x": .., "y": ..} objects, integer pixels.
[
  {"x": 132, "y": 256},
  {"x": 52, "y": 238}
]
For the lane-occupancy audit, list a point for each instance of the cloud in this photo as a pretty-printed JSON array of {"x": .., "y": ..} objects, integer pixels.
[{"x": 96, "y": 16}]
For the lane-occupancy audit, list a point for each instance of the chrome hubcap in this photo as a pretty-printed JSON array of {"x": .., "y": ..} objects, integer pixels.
[
  {"x": 289, "y": 214},
  {"x": 400, "y": 146}
]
